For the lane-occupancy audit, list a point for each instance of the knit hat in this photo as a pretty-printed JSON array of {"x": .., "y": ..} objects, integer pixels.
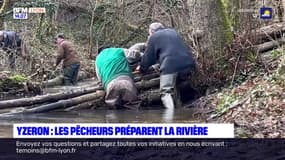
[
  {"x": 155, "y": 27},
  {"x": 60, "y": 35}
]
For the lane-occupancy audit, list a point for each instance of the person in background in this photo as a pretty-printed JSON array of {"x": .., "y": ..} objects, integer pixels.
[
  {"x": 13, "y": 45},
  {"x": 71, "y": 62},
  {"x": 167, "y": 47},
  {"x": 114, "y": 71},
  {"x": 134, "y": 54}
]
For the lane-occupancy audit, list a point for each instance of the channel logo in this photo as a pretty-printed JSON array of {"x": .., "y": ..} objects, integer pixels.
[
  {"x": 20, "y": 13},
  {"x": 266, "y": 13}
]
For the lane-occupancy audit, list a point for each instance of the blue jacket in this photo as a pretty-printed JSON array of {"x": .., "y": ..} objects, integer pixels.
[
  {"x": 167, "y": 48},
  {"x": 10, "y": 40}
]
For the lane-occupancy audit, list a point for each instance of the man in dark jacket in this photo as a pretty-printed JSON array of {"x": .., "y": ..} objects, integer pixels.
[
  {"x": 13, "y": 45},
  {"x": 167, "y": 47},
  {"x": 71, "y": 63}
]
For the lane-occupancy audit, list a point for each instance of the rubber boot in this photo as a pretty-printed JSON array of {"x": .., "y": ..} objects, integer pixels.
[
  {"x": 167, "y": 101},
  {"x": 167, "y": 84}
]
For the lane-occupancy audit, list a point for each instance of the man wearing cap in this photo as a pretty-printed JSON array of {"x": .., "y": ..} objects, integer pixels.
[
  {"x": 12, "y": 44},
  {"x": 71, "y": 63},
  {"x": 114, "y": 71},
  {"x": 167, "y": 47}
]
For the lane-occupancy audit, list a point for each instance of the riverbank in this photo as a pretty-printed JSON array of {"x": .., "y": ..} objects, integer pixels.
[{"x": 256, "y": 106}]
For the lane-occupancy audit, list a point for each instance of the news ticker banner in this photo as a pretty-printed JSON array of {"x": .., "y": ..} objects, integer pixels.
[
  {"x": 130, "y": 149},
  {"x": 122, "y": 130}
]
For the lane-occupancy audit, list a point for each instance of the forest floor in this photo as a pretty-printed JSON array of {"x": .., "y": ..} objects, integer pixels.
[{"x": 256, "y": 106}]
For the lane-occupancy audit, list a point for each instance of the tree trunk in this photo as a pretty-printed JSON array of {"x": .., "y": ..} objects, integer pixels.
[
  {"x": 283, "y": 10},
  {"x": 90, "y": 46},
  {"x": 39, "y": 33},
  {"x": 3, "y": 7}
]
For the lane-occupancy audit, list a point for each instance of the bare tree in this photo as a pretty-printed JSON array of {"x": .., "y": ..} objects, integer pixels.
[{"x": 94, "y": 4}]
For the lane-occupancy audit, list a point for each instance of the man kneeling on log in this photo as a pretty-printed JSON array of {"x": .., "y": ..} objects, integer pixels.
[
  {"x": 71, "y": 62},
  {"x": 167, "y": 47},
  {"x": 114, "y": 71}
]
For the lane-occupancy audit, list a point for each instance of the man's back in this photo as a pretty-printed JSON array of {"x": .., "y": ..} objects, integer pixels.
[
  {"x": 68, "y": 54},
  {"x": 111, "y": 63},
  {"x": 168, "y": 47}
]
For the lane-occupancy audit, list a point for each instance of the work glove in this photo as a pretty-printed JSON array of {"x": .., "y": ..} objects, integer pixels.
[{"x": 156, "y": 68}]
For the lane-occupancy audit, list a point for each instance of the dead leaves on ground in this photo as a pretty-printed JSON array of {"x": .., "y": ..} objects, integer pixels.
[{"x": 260, "y": 107}]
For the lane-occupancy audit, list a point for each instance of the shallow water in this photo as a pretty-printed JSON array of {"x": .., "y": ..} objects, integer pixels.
[
  {"x": 99, "y": 116},
  {"x": 103, "y": 115}
]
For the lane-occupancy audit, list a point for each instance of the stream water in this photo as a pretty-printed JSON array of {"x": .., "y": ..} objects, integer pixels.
[
  {"x": 180, "y": 115},
  {"x": 103, "y": 115}
]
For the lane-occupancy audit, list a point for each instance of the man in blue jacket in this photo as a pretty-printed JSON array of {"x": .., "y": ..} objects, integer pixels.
[
  {"x": 13, "y": 45},
  {"x": 167, "y": 47}
]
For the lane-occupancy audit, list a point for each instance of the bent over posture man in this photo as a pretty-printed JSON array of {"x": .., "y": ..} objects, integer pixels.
[
  {"x": 167, "y": 47},
  {"x": 71, "y": 62},
  {"x": 113, "y": 70}
]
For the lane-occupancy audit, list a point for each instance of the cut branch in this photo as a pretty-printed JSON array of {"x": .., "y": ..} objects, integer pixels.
[
  {"x": 47, "y": 98},
  {"x": 65, "y": 103}
]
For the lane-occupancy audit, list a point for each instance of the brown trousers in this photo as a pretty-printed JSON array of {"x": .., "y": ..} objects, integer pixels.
[{"x": 121, "y": 92}]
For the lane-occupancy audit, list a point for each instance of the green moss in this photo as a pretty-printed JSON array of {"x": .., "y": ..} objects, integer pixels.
[
  {"x": 226, "y": 24},
  {"x": 252, "y": 57},
  {"x": 12, "y": 83},
  {"x": 225, "y": 101},
  {"x": 18, "y": 78},
  {"x": 276, "y": 53}
]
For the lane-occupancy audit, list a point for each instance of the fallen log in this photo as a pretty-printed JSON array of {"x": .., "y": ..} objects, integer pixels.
[
  {"x": 65, "y": 103},
  {"x": 83, "y": 75},
  {"x": 272, "y": 31},
  {"x": 59, "y": 80},
  {"x": 47, "y": 98},
  {"x": 263, "y": 34},
  {"x": 87, "y": 101},
  {"x": 22, "y": 102},
  {"x": 252, "y": 39},
  {"x": 148, "y": 98},
  {"x": 146, "y": 77},
  {"x": 97, "y": 99},
  {"x": 269, "y": 45},
  {"x": 53, "y": 82},
  {"x": 147, "y": 84},
  {"x": 86, "y": 105}
]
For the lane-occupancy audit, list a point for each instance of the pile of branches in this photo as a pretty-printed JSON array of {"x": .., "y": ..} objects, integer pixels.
[
  {"x": 86, "y": 97},
  {"x": 259, "y": 40},
  {"x": 255, "y": 47}
]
